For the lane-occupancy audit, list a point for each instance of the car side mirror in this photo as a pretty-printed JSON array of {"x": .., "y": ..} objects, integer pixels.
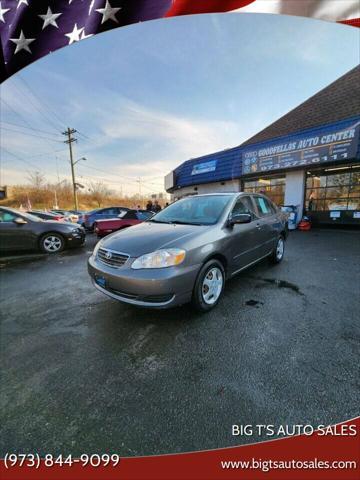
[
  {"x": 20, "y": 221},
  {"x": 240, "y": 218}
]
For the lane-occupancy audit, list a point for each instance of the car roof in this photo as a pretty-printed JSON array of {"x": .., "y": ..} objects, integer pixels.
[
  {"x": 230, "y": 194},
  {"x": 10, "y": 209},
  {"x": 215, "y": 194}
]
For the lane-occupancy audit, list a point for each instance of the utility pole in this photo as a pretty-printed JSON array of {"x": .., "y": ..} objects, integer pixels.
[{"x": 70, "y": 139}]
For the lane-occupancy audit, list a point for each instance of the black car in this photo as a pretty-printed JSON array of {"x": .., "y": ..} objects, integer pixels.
[{"x": 23, "y": 231}]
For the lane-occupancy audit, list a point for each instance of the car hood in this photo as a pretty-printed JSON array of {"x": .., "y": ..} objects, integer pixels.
[{"x": 147, "y": 237}]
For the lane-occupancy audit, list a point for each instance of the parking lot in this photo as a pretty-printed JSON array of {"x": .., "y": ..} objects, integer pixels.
[{"x": 82, "y": 373}]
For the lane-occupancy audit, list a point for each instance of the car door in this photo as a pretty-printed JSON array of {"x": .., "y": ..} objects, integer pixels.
[
  {"x": 12, "y": 235},
  {"x": 244, "y": 237},
  {"x": 267, "y": 224}
]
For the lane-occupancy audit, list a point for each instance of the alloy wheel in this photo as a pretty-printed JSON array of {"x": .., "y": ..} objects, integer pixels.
[
  {"x": 212, "y": 285},
  {"x": 52, "y": 243},
  {"x": 280, "y": 249}
]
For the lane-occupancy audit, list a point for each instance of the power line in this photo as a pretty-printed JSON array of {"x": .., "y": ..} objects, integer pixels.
[
  {"x": 48, "y": 153},
  {"x": 21, "y": 159},
  {"x": 30, "y": 128},
  {"x": 52, "y": 115},
  {"x": 19, "y": 115},
  {"x": 30, "y": 134},
  {"x": 14, "y": 111}
]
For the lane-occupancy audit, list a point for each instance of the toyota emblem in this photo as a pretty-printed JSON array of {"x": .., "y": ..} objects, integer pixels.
[{"x": 108, "y": 255}]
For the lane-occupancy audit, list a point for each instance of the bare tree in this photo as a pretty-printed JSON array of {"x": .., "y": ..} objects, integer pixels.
[
  {"x": 99, "y": 192},
  {"x": 36, "y": 179}
]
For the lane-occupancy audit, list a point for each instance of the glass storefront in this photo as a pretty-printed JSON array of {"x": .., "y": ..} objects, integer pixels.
[
  {"x": 333, "y": 189},
  {"x": 273, "y": 187}
]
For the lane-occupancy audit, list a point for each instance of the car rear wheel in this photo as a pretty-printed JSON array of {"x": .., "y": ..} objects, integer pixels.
[
  {"x": 52, "y": 243},
  {"x": 209, "y": 286},
  {"x": 278, "y": 253}
]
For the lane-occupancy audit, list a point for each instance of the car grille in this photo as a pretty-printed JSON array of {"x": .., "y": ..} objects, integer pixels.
[
  {"x": 142, "y": 298},
  {"x": 111, "y": 258}
]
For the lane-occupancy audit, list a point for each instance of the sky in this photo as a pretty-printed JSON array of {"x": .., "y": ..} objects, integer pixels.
[{"x": 147, "y": 97}]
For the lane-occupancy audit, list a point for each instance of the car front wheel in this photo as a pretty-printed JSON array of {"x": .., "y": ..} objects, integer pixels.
[
  {"x": 278, "y": 253},
  {"x": 209, "y": 286},
  {"x": 52, "y": 243}
]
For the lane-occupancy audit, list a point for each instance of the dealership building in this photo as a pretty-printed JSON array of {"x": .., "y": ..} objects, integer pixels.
[{"x": 309, "y": 158}]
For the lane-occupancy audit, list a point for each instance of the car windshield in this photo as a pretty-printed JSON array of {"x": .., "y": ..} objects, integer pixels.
[{"x": 204, "y": 210}]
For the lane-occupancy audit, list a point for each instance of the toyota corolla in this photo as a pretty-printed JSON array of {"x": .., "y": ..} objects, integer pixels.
[{"x": 186, "y": 252}]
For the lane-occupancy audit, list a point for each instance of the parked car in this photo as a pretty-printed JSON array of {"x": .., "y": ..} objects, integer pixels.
[
  {"x": 187, "y": 251},
  {"x": 68, "y": 215},
  {"x": 23, "y": 231},
  {"x": 93, "y": 216},
  {"x": 46, "y": 215},
  {"x": 126, "y": 219}
]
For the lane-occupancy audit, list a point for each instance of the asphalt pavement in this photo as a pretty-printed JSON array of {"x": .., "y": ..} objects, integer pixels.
[{"x": 83, "y": 374}]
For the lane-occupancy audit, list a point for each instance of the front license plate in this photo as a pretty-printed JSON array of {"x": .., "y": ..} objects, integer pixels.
[{"x": 100, "y": 281}]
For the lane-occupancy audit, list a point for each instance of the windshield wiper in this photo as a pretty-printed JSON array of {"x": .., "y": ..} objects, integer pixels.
[
  {"x": 179, "y": 222},
  {"x": 156, "y": 221}
]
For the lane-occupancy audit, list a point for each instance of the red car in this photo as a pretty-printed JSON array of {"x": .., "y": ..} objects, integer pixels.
[{"x": 125, "y": 220}]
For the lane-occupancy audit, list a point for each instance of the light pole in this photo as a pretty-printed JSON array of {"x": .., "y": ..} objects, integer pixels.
[
  {"x": 55, "y": 192},
  {"x": 75, "y": 185}
]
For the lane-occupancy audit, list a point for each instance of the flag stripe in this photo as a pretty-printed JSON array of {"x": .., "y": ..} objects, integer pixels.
[{"x": 31, "y": 29}]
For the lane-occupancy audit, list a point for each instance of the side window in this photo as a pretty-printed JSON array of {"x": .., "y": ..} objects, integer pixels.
[
  {"x": 111, "y": 211},
  {"x": 243, "y": 205},
  {"x": 264, "y": 207},
  {"x": 130, "y": 215},
  {"x": 6, "y": 216}
]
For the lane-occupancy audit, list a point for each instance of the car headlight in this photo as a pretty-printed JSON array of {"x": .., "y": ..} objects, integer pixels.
[
  {"x": 97, "y": 246},
  {"x": 160, "y": 259}
]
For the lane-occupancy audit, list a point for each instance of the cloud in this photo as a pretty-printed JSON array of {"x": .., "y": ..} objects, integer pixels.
[{"x": 185, "y": 137}]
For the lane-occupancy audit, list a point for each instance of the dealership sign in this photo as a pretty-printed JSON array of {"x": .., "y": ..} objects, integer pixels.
[
  {"x": 204, "y": 167},
  {"x": 328, "y": 145}
]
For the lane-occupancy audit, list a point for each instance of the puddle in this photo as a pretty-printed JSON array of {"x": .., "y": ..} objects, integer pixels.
[
  {"x": 283, "y": 284},
  {"x": 253, "y": 303}
]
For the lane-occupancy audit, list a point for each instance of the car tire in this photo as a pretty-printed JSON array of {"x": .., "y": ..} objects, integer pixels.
[
  {"x": 52, "y": 242},
  {"x": 209, "y": 286},
  {"x": 278, "y": 253}
]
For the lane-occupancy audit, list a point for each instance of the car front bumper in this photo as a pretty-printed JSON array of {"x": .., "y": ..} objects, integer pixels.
[
  {"x": 151, "y": 288},
  {"x": 75, "y": 239}
]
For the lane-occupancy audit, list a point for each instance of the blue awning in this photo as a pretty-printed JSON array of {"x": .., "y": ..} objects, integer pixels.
[{"x": 316, "y": 146}]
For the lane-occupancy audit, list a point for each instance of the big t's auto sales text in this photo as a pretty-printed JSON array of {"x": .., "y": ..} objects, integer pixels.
[{"x": 291, "y": 430}]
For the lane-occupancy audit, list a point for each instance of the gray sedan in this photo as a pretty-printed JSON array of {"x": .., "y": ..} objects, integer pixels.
[{"x": 187, "y": 251}]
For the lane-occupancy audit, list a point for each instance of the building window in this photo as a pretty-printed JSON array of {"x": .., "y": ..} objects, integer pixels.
[
  {"x": 333, "y": 189},
  {"x": 273, "y": 187}
]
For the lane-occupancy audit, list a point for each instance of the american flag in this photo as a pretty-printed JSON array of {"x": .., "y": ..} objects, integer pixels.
[{"x": 31, "y": 29}]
